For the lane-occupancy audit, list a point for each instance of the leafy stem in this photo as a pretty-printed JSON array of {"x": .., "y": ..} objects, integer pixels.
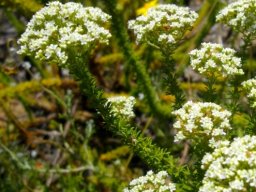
[
  {"x": 155, "y": 157},
  {"x": 144, "y": 80}
]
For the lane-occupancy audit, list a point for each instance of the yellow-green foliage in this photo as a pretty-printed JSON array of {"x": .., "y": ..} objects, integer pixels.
[
  {"x": 63, "y": 137},
  {"x": 25, "y": 5},
  {"x": 115, "y": 154},
  {"x": 32, "y": 86}
]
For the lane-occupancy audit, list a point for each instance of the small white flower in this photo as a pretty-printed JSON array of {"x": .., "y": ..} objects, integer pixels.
[
  {"x": 123, "y": 106},
  {"x": 237, "y": 184},
  {"x": 202, "y": 120},
  {"x": 163, "y": 26},
  {"x": 240, "y": 15},
  {"x": 58, "y": 28},
  {"x": 151, "y": 182},
  {"x": 250, "y": 87},
  {"x": 215, "y": 59},
  {"x": 231, "y": 166}
]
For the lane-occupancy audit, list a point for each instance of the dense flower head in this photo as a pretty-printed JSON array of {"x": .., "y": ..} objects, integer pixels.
[
  {"x": 250, "y": 87},
  {"x": 58, "y": 28},
  {"x": 163, "y": 25},
  {"x": 241, "y": 16},
  {"x": 151, "y": 182},
  {"x": 202, "y": 120},
  {"x": 215, "y": 59},
  {"x": 122, "y": 106},
  {"x": 231, "y": 167}
]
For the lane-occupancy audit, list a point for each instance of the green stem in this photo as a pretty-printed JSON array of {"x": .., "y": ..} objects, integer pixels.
[
  {"x": 252, "y": 125},
  {"x": 155, "y": 157},
  {"x": 210, "y": 95},
  {"x": 142, "y": 75},
  {"x": 171, "y": 82},
  {"x": 204, "y": 23},
  {"x": 235, "y": 95}
]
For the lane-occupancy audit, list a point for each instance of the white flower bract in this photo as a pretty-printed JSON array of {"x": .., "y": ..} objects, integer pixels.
[
  {"x": 163, "y": 25},
  {"x": 250, "y": 87},
  {"x": 123, "y": 106},
  {"x": 231, "y": 166},
  {"x": 151, "y": 182},
  {"x": 215, "y": 59},
  {"x": 197, "y": 120},
  {"x": 58, "y": 28},
  {"x": 241, "y": 16}
]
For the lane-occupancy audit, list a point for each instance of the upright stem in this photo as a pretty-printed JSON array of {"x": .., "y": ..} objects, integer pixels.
[
  {"x": 171, "y": 81},
  {"x": 142, "y": 75},
  {"x": 210, "y": 95},
  {"x": 155, "y": 157}
]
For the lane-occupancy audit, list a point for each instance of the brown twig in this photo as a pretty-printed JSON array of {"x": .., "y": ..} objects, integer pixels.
[{"x": 184, "y": 154}]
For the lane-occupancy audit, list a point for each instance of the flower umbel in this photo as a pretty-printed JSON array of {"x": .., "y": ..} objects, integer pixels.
[
  {"x": 202, "y": 120},
  {"x": 122, "y": 106},
  {"x": 250, "y": 87},
  {"x": 58, "y": 28},
  {"x": 163, "y": 25},
  {"x": 241, "y": 16},
  {"x": 151, "y": 182},
  {"x": 214, "y": 59},
  {"x": 231, "y": 166}
]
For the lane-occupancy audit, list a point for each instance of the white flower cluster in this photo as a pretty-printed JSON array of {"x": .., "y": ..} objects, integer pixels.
[
  {"x": 164, "y": 25},
  {"x": 241, "y": 16},
  {"x": 215, "y": 59},
  {"x": 58, "y": 28},
  {"x": 231, "y": 167},
  {"x": 151, "y": 182},
  {"x": 122, "y": 106},
  {"x": 202, "y": 120},
  {"x": 250, "y": 87}
]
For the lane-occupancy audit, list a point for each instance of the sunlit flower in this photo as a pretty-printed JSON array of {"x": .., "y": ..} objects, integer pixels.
[
  {"x": 123, "y": 106},
  {"x": 151, "y": 182},
  {"x": 202, "y": 120},
  {"x": 58, "y": 29},
  {"x": 250, "y": 87},
  {"x": 163, "y": 25},
  {"x": 215, "y": 59},
  {"x": 241, "y": 16},
  {"x": 231, "y": 166}
]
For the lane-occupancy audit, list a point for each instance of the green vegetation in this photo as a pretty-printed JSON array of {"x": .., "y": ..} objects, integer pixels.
[{"x": 95, "y": 94}]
